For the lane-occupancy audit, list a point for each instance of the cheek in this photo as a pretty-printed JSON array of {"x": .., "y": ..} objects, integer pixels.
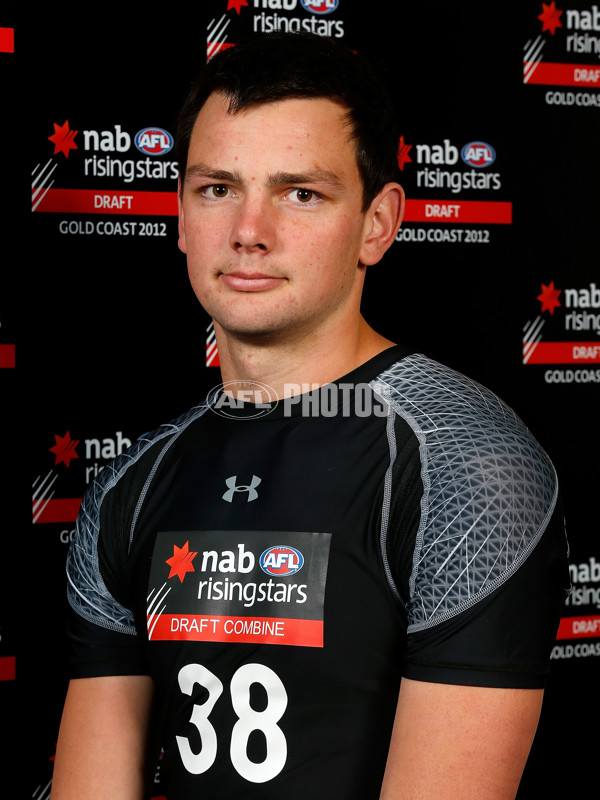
[
  {"x": 202, "y": 241},
  {"x": 336, "y": 254}
]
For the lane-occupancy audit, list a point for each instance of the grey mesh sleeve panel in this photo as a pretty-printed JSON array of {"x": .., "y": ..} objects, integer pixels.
[
  {"x": 86, "y": 591},
  {"x": 489, "y": 489}
]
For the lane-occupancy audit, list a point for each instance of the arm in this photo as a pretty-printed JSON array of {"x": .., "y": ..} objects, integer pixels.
[
  {"x": 102, "y": 744},
  {"x": 459, "y": 742}
]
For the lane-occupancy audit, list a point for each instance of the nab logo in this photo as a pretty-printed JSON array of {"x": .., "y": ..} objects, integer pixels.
[
  {"x": 281, "y": 560},
  {"x": 478, "y": 154},
  {"x": 320, "y": 6},
  {"x": 154, "y": 141},
  {"x": 251, "y": 488}
]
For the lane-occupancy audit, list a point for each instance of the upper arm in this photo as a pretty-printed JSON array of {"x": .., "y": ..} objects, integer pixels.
[
  {"x": 103, "y": 740},
  {"x": 459, "y": 742}
]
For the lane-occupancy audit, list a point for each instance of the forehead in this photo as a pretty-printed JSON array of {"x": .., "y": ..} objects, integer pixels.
[{"x": 298, "y": 131}]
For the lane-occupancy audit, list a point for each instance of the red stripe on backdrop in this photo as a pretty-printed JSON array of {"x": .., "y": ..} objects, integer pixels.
[
  {"x": 462, "y": 211},
  {"x": 89, "y": 201},
  {"x": 7, "y": 40},
  {"x": 7, "y": 356},
  {"x": 579, "y": 628},
  {"x": 59, "y": 510},
  {"x": 580, "y": 353},
  {"x": 8, "y": 668},
  {"x": 586, "y": 76}
]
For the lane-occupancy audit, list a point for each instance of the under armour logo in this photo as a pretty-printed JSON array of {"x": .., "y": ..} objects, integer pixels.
[{"x": 251, "y": 489}]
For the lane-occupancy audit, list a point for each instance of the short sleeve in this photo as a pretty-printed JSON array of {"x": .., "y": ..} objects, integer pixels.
[
  {"x": 101, "y": 629},
  {"x": 104, "y": 634},
  {"x": 483, "y": 569},
  {"x": 505, "y": 638}
]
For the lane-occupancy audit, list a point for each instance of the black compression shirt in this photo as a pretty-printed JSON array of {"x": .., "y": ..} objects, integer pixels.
[{"x": 278, "y": 569}]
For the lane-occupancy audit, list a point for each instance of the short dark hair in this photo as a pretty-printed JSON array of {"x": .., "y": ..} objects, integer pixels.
[{"x": 270, "y": 67}]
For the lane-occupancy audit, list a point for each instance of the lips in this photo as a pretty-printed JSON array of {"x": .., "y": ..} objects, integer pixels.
[{"x": 247, "y": 281}]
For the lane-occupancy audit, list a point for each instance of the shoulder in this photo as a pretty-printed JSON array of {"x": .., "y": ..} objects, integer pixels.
[
  {"x": 489, "y": 489},
  {"x": 133, "y": 467},
  {"x": 106, "y": 518}
]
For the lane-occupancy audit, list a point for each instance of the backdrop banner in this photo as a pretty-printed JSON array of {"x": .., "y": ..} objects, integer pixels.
[{"x": 494, "y": 272}]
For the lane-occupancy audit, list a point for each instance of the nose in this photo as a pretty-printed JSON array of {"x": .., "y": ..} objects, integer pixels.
[{"x": 253, "y": 226}]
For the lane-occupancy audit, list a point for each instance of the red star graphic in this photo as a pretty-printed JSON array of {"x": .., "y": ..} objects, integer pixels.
[
  {"x": 181, "y": 561},
  {"x": 403, "y": 150},
  {"x": 549, "y": 297},
  {"x": 550, "y": 17},
  {"x": 64, "y": 449},
  {"x": 63, "y": 139},
  {"x": 237, "y": 4}
]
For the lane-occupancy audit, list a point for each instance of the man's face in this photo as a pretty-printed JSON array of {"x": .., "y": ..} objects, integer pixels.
[{"x": 271, "y": 218}]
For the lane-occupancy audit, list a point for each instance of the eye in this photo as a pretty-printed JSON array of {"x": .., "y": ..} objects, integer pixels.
[
  {"x": 305, "y": 196},
  {"x": 218, "y": 190},
  {"x": 215, "y": 191}
]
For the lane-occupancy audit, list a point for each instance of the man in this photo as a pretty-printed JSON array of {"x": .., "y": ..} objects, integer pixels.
[{"x": 350, "y": 590}]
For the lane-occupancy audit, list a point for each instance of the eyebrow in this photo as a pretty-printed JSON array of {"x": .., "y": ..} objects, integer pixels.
[
  {"x": 203, "y": 171},
  {"x": 318, "y": 176},
  {"x": 313, "y": 176}
]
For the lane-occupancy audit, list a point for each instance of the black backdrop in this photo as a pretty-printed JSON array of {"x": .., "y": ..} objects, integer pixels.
[{"x": 495, "y": 272}]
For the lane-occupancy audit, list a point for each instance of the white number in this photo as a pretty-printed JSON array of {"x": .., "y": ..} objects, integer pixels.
[
  {"x": 197, "y": 763},
  {"x": 249, "y": 720}
]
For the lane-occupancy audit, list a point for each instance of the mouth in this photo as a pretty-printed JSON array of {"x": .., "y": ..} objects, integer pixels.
[{"x": 249, "y": 281}]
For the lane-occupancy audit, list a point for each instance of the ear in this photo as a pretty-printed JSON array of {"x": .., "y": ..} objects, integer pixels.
[
  {"x": 180, "y": 223},
  {"x": 382, "y": 222}
]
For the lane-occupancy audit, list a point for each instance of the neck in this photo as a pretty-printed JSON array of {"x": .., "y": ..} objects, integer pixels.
[{"x": 285, "y": 366}]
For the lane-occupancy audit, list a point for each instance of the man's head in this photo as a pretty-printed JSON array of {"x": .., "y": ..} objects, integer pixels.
[{"x": 275, "y": 67}]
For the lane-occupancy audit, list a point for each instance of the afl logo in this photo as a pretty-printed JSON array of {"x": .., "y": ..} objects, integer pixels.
[
  {"x": 320, "y": 6},
  {"x": 154, "y": 141},
  {"x": 281, "y": 560},
  {"x": 478, "y": 154}
]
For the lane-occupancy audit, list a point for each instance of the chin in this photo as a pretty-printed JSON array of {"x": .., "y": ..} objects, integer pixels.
[{"x": 255, "y": 332}]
